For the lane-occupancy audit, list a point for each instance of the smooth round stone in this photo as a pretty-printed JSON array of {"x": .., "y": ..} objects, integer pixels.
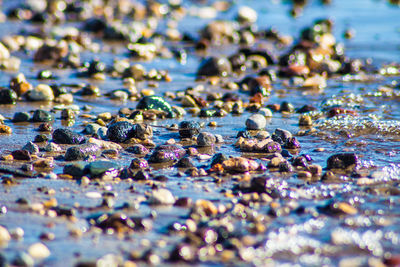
[
  {"x": 266, "y": 112},
  {"x": 21, "y": 117},
  {"x": 4, "y": 235},
  {"x": 39, "y": 251},
  {"x": 256, "y": 122},
  {"x": 214, "y": 67},
  {"x": 205, "y": 139},
  {"x": 247, "y": 14},
  {"x": 161, "y": 197},
  {"x": 42, "y": 92},
  {"x": 42, "y": 116}
]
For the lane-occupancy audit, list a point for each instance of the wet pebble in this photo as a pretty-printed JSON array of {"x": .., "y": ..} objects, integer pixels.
[
  {"x": 161, "y": 197},
  {"x": 21, "y": 117},
  {"x": 42, "y": 92},
  {"x": 188, "y": 129},
  {"x": 156, "y": 103},
  {"x": 256, "y": 122},
  {"x": 8, "y": 96},
  {"x": 214, "y": 67},
  {"x": 66, "y": 136},
  {"x": 31, "y": 148},
  {"x": 39, "y": 251},
  {"x": 206, "y": 139},
  {"x": 81, "y": 152},
  {"x": 342, "y": 161},
  {"x": 42, "y": 116},
  {"x": 120, "y": 131}
]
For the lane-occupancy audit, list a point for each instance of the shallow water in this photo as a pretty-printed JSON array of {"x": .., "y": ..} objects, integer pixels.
[{"x": 293, "y": 237}]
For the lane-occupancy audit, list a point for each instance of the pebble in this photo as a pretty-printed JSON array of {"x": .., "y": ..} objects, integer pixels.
[
  {"x": 42, "y": 92},
  {"x": 31, "y": 148},
  {"x": 76, "y": 169},
  {"x": 8, "y": 96},
  {"x": 5, "y": 236},
  {"x": 161, "y": 197},
  {"x": 256, "y": 122},
  {"x": 99, "y": 167},
  {"x": 52, "y": 147},
  {"x": 206, "y": 139},
  {"x": 120, "y": 131},
  {"x": 189, "y": 129},
  {"x": 81, "y": 152},
  {"x": 266, "y": 112},
  {"x": 156, "y": 103},
  {"x": 342, "y": 161},
  {"x": 247, "y": 15},
  {"x": 39, "y": 251},
  {"x": 214, "y": 67},
  {"x": 42, "y": 116},
  {"x": 21, "y": 117},
  {"x": 66, "y": 136}
]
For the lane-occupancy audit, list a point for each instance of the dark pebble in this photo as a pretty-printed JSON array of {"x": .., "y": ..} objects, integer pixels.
[
  {"x": 21, "y": 117},
  {"x": 188, "y": 129},
  {"x": 342, "y": 161},
  {"x": 45, "y": 127},
  {"x": 66, "y": 136},
  {"x": 185, "y": 163},
  {"x": 75, "y": 169},
  {"x": 141, "y": 176},
  {"x": 81, "y": 152},
  {"x": 21, "y": 154},
  {"x": 157, "y": 103},
  {"x": 120, "y": 131},
  {"x": 138, "y": 149},
  {"x": 40, "y": 138},
  {"x": 214, "y": 67},
  {"x": 42, "y": 116},
  {"x": 8, "y": 96}
]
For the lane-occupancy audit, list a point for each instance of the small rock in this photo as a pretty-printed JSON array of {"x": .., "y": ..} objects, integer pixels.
[
  {"x": 156, "y": 103},
  {"x": 66, "y": 136},
  {"x": 266, "y": 112},
  {"x": 31, "y": 148},
  {"x": 247, "y": 15},
  {"x": 21, "y": 155},
  {"x": 120, "y": 131},
  {"x": 5, "y": 236},
  {"x": 81, "y": 152},
  {"x": 8, "y": 96},
  {"x": 161, "y": 197},
  {"x": 21, "y": 117},
  {"x": 188, "y": 129},
  {"x": 206, "y": 139},
  {"x": 100, "y": 167},
  {"x": 42, "y": 92},
  {"x": 52, "y": 147},
  {"x": 42, "y": 116},
  {"x": 342, "y": 161},
  {"x": 75, "y": 169},
  {"x": 256, "y": 122},
  {"x": 214, "y": 67},
  {"x": 39, "y": 251}
]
